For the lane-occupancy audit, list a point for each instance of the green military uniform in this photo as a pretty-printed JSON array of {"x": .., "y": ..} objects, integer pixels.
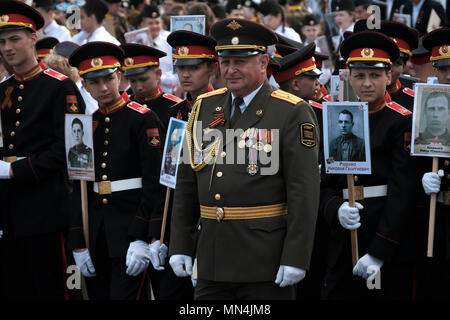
[
  {"x": 248, "y": 222},
  {"x": 80, "y": 156}
]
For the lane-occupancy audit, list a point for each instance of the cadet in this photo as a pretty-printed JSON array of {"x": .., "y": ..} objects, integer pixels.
[
  {"x": 45, "y": 46},
  {"x": 34, "y": 198},
  {"x": 142, "y": 69},
  {"x": 257, "y": 218},
  {"x": 382, "y": 217},
  {"x": 407, "y": 39},
  {"x": 126, "y": 199}
]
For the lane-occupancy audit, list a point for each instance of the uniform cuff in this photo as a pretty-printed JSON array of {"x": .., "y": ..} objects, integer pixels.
[
  {"x": 76, "y": 238},
  {"x": 23, "y": 171},
  {"x": 383, "y": 247},
  {"x": 139, "y": 228}
]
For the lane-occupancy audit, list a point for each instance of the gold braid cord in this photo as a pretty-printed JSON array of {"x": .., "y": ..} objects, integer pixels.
[{"x": 210, "y": 152}]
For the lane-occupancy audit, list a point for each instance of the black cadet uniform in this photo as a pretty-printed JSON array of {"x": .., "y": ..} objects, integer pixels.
[
  {"x": 34, "y": 201},
  {"x": 138, "y": 60},
  {"x": 126, "y": 201},
  {"x": 386, "y": 220}
]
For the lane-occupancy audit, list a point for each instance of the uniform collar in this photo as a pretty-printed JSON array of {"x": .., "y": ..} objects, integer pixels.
[
  {"x": 156, "y": 93},
  {"x": 321, "y": 93},
  {"x": 117, "y": 104},
  {"x": 395, "y": 87},
  {"x": 380, "y": 104},
  {"x": 32, "y": 73}
]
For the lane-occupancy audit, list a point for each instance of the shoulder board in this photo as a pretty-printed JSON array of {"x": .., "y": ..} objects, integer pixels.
[
  {"x": 212, "y": 93},
  {"x": 172, "y": 97},
  {"x": 396, "y": 107},
  {"x": 327, "y": 98},
  {"x": 286, "y": 96},
  {"x": 138, "y": 107},
  {"x": 55, "y": 74},
  {"x": 315, "y": 104},
  {"x": 409, "y": 92}
]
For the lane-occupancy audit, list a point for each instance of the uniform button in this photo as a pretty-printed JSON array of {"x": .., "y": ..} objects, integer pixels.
[
  {"x": 106, "y": 142},
  {"x": 223, "y": 154},
  {"x": 103, "y": 165},
  {"x": 19, "y": 98},
  {"x": 104, "y": 177},
  {"x": 107, "y": 119},
  {"x": 219, "y": 174},
  {"x": 105, "y": 154},
  {"x": 217, "y": 196},
  {"x": 446, "y": 163},
  {"x": 11, "y": 146},
  {"x": 17, "y": 123},
  {"x": 105, "y": 201},
  {"x": 106, "y": 130},
  {"x": 12, "y": 133},
  {"x": 18, "y": 111},
  {"x": 356, "y": 178},
  {"x": 21, "y": 86}
]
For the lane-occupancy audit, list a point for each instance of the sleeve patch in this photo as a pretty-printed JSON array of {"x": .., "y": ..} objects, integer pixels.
[
  {"x": 72, "y": 104},
  {"x": 307, "y": 133},
  {"x": 153, "y": 138}
]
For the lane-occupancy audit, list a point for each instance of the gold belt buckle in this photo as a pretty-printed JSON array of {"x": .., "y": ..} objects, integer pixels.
[
  {"x": 10, "y": 159},
  {"x": 104, "y": 187},
  {"x": 220, "y": 213},
  {"x": 446, "y": 197},
  {"x": 358, "y": 193}
]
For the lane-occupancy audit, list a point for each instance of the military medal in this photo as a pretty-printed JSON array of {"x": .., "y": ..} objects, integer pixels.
[
  {"x": 252, "y": 167},
  {"x": 241, "y": 144}
]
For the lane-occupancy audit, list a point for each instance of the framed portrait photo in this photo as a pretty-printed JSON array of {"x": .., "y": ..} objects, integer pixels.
[
  {"x": 346, "y": 137},
  {"x": 140, "y": 36},
  {"x": 193, "y": 23}
]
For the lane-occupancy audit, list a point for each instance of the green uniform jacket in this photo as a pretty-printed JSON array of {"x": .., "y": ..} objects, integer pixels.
[{"x": 251, "y": 250}]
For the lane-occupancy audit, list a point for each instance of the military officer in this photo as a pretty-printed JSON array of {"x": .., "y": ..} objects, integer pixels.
[
  {"x": 382, "y": 215},
  {"x": 249, "y": 246},
  {"x": 142, "y": 70},
  {"x": 126, "y": 199},
  {"x": 80, "y": 155},
  {"x": 407, "y": 39},
  {"x": 34, "y": 100},
  {"x": 45, "y": 46}
]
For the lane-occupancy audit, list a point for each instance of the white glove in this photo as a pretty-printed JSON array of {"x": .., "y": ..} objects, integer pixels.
[
  {"x": 5, "y": 168},
  {"x": 138, "y": 257},
  {"x": 431, "y": 182},
  {"x": 158, "y": 255},
  {"x": 288, "y": 276},
  {"x": 1, "y": 234},
  {"x": 181, "y": 265},
  {"x": 349, "y": 217},
  {"x": 365, "y": 262},
  {"x": 84, "y": 263},
  {"x": 194, "y": 281}
]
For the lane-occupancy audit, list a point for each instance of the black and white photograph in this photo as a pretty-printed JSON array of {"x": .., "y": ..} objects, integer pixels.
[
  {"x": 193, "y": 23},
  {"x": 430, "y": 130},
  {"x": 172, "y": 152},
  {"x": 79, "y": 147},
  {"x": 346, "y": 137},
  {"x": 139, "y": 36}
]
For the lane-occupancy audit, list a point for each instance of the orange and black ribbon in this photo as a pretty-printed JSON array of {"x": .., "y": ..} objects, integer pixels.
[
  {"x": 7, "y": 102},
  {"x": 219, "y": 118}
]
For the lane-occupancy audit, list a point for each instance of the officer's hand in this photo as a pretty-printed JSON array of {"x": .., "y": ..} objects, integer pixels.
[
  {"x": 349, "y": 217},
  {"x": 5, "y": 170},
  {"x": 181, "y": 265},
  {"x": 84, "y": 262},
  {"x": 138, "y": 257},
  {"x": 363, "y": 264},
  {"x": 288, "y": 276},
  {"x": 194, "y": 281},
  {"x": 158, "y": 255},
  {"x": 431, "y": 182}
]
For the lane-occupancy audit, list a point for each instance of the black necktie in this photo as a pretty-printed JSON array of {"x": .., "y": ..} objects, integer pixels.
[{"x": 237, "y": 111}]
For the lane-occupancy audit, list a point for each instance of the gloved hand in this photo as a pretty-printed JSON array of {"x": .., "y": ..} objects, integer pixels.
[
  {"x": 194, "y": 281},
  {"x": 158, "y": 255},
  {"x": 431, "y": 182},
  {"x": 349, "y": 217},
  {"x": 84, "y": 263},
  {"x": 5, "y": 168},
  {"x": 181, "y": 265},
  {"x": 138, "y": 257},
  {"x": 287, "y": 276},
  {"x": 363, "y": 263}
]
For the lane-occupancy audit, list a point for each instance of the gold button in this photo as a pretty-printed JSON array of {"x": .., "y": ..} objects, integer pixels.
[
  {"x": 21, "y": 86},
  {"x": 18, "y": 111},
  {"x": 105, "y": 201},
  {"x": 106, "y": 130},
  {"x": 217, "y": 196},
  {"x": 104, "y": 177},
  {"x": 107, "y": 119},
  {"x": 220, "y": 214},
  {"x": 13, "y": 133},
  {"x": 446, "y": 163},
  {"x": 11, "y": 146},
  {"x": 219, "y": 174},
  {"x": 17, "y": 123},
  {"x": 106, "y": 142},
  {"x": 103, "y": 165},
  {"x": 223, "y": 154},
  {"x": 356, "y": 178},
  {"x": 105, "y": 154},
  {"x": 19, "y": 98}
]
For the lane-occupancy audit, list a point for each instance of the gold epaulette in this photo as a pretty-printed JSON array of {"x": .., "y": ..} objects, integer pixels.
[
  {"x": 286, "y": 96},
  {"x": 212, "y": 93},
  {"x": 396, "y": 107}
]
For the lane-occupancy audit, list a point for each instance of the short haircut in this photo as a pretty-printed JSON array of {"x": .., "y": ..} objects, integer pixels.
[
  {"x": 77, "y": 121},
  {"x": 345, "y": 111},
  {"x": 435, "y": 95},
  {"x": 96, "y": 7}
]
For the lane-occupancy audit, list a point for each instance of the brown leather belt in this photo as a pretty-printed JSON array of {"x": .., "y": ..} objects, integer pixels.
[{"x": 240, "y": 213}]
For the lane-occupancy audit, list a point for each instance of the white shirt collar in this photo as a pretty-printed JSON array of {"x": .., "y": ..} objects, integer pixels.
[{"x": 248, "y": 98}]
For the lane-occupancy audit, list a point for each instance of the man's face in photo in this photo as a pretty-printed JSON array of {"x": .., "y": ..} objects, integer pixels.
[
  {"x": 437, "y": 113},
  {"x": 345, "y": 124},
  {"x": 77, "y": 133}
]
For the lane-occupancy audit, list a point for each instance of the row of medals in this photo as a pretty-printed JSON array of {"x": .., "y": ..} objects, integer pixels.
[{"x": 256, "y": 140}]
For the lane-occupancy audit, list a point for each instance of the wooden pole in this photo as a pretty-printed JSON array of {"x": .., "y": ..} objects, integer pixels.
[
  {"x": 432, "y": 214},
  {"x": 353, "y": 233},
  {"x": 84, "y": 217},
  {"x": 166, "y": 208}
]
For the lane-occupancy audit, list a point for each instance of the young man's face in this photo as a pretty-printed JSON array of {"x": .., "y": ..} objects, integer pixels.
[
  {"x": 310, "y": 32},
  {"x": 443, "y": 75},
  {"x": 144, "y": 83},
  {"x": 87, "y": 22},
  {"x": 343, "y": 19},
  {"x": 272, "y": 21},
  {"x": 236, "y": 14},
  {"x": 345, "y": 124},
  {"x": 397, "y": 69},
  {"x": 153, "y": 24},
  {"x": 17, "y": 47},
  {"x": 370, "y": 84},
  {"x": 196, "y": 77},
  {"x": 306, "y": 87},
  {"x": 437, "y": 113},
  {"x": 104, "y": 89},
  {"x": 77, "y": 133}
]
